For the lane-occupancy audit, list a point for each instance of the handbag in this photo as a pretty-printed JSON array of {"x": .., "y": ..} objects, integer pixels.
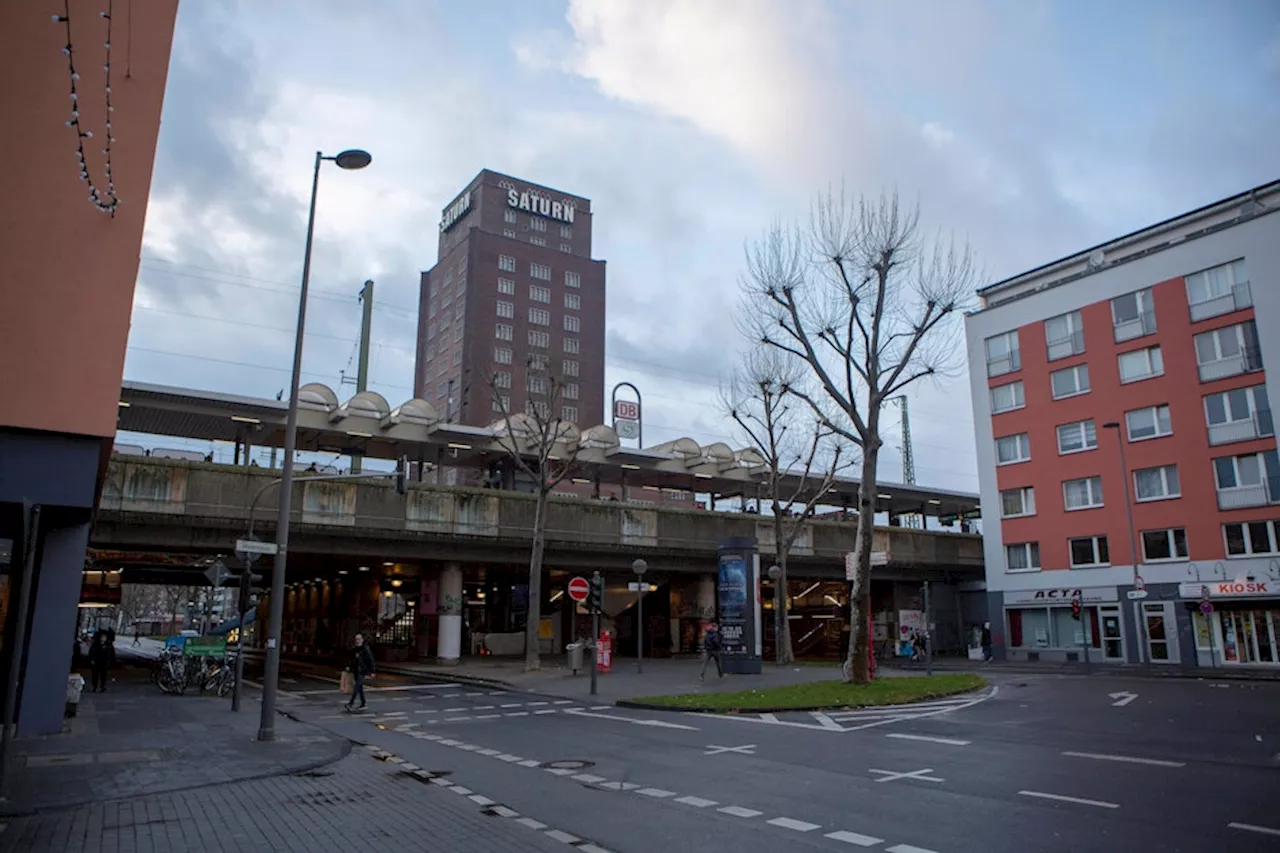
[{"x": 346, "y": 684}]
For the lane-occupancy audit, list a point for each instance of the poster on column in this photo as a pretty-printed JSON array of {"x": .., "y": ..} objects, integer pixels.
[
  {"x": 738, "y": 584},
  {"x": 733, "y": 603}
]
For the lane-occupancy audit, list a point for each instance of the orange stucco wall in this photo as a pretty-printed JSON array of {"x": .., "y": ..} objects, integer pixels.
[{"x": 67, "y": 271}]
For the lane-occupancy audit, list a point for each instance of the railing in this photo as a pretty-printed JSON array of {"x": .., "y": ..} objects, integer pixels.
[
  {"x": 1258, "y": 425},
  {"x": 1065, "y": 346},
  {"x": 1005, "y": 364},
  {"x": 1143, "y": 324},
  {"x": 1247, "y": 361},
  {"x": 1266, "y": 492},
  {"x": 1241, "y": 296}
]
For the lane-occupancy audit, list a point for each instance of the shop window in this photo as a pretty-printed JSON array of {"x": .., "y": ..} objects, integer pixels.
[{"x": 1029, "y": 628}]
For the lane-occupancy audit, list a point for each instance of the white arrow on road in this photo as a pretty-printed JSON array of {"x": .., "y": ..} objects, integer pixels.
[{"x": 1122, "y": 698}]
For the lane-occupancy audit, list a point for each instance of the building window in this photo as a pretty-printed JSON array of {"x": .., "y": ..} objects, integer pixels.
[
  {"x": 1013, "y": 448},
  {"x": 570, "y": 367},
  {"x": 1170, "y": 544},
  {"x": 431, "y": 309},
  {"x": 1007, "y": 397},
  {"x": 1156, "y": 484},
  {"x": 1140, "y": 364},
  {"x": 1251, "y": 538},
  {"x": 569, "y": 413},
  {"x": 537, "y": 224},
  {"x": 538, "y": 361},
  {"x": 1070, "y": 381},
  {"x": 1133, "y": 315},
  {"x": 457, "y": 356},
  {"x": 501, "y": 403},
  {"x": 572, "y": 345},
  {"x": 538, "y": 241},
  {"x": 1238, "y": 415},
  {"x": 540, "y": 271},
  {"x": 1151, "y": 422},
  {"x": 571, "y": 323},
  {"x": 509, "y": 216},
  {"x": 502, "y": 379},
  {"x": 506, "y": 263},
  {"x": 571, "y": 391},
  {"x": 502, "y": 355},
  {"x": 1084, "y": 493},
  {"x": 507, "y": 232},
  {"x": 539, "y": 409},
  {"x": 1088, "y": 551},
  {"x": 503, "y": 332},
  {"x": 1015, "y": 503},
  {"x": 458, "y": 333},
  {"x": 538, "y": 293},
  {"x": 1077, "y": 436},
  {"x": 459, "y": 310},
  {"x": 1063, "y": 336},
  {"x": 1251, "y": 479},
  {"x": 1002, "y": 354},
  {"x": 1217, "y": 291},
  {"x": 565, "y": 247},
  {"x": 540, "y": 316},
  {"x": 1023, "y": 557},
  {"x": 1228, "y": 352},
  {"x": 566, "y": 231},
  {"x": 536, "y": 384},
  {"x": 572, "y": 301},
  {"x": 507, "y": 286},
  {"x": 431, "y": 331},
  {"x": 539, "y": 339},
  {"x": 571, "y": 279},
  {"x": 506, "y": 309}
]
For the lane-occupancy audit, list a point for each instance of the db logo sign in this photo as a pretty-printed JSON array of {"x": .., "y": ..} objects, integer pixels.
[{"x": 626, "y": 410}]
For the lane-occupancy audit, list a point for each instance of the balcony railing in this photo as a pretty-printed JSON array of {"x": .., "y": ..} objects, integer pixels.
[
  {"x": 1240, "y": 497},
  {"x": 1143, "y": 324},
  {"x": 1247, "y": 360},
  {"x": 1065, "y": 346},
  {"x": 1241, "y": 296},
  {"x": 1004, "y": 364},
  {"x": 1259, "y": 425}
]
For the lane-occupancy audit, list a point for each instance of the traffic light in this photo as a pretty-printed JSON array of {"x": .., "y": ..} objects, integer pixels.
[
  {"x": 596, "y": 599},
  {"x": 235, "y": 574},
  {"x": 402, "y": 475},
  {"x": 1075, "y": 609}
]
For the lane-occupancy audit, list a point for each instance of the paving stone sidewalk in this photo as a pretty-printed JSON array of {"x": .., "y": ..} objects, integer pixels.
[{"x": 358, "y": 803}]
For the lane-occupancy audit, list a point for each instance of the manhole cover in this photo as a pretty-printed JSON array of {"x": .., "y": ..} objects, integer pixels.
[{"x": 568, "y": 764}]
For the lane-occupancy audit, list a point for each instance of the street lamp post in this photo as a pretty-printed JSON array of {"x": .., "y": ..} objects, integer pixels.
[
  {"x": 775, "y": 572},
  {"x": 1133, "y": 536},
  {"x": 350, "y": 159},
  {"x": 640, "y": 567}
]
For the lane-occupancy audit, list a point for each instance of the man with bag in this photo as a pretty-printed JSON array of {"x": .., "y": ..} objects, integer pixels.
[{"x": 362, "y": 665}]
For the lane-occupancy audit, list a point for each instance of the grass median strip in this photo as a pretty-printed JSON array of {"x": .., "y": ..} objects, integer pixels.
[{"x": 825, "y": 694}]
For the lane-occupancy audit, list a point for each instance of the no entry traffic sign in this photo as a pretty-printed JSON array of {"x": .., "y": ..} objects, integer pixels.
[{"x": 578, "y": 589}]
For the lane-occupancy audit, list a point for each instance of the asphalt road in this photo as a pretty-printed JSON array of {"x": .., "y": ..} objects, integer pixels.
[{"x": 1044, "y": 763}]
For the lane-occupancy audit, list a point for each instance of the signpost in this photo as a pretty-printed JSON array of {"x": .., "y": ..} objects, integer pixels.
[
  {"x": 626, "y": 414},
  {"x": 205, "y": 647},
  {"x": 245, "y": 547},
  {"x": 579, "y": 589}
]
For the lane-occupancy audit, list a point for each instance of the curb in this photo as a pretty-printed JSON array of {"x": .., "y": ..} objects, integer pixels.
[
  {"x": 1174, "y": 673},
  {"x": 709, "y": 709}
]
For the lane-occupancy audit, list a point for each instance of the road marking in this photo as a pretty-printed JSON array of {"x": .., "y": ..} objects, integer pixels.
[
  {"x": 490, "y": 716},
  {"x": 1248, "y": 827},
  {"x": 455, "y": 710},
  {"x": 458, "y": 789},
  {"x": 746, "y": 749},
  {"x": 588, "y": 778},
  {"x": 534, "y": 704},
  {"x": 619, "y": 786},
  {"x": 503, "y": 811},
  {"x": 514, "y": 714},
  {"x": 946, "y": 740},
  {"x": 826, "y": 722},
  {"x": 511, "y": 705},
  {"x": 1099, "y": 803},
  {"x": 490, "y": 752},
  {"x": 531, "y": 823},
  {"x": 472, "y": 694},
  {"x": 454, "y": 719},
  {"x": 529, "y": 762},
  {"x": 1128, "y": 759},
  {"x": 510, "y": 759},
  {"x": 547, "y": 711},
  {"x": 890, "y": 776},
  {"x": 480, "y": 800},
  {"x": 428, "y": 711},
  {"x": 561, "y": 835},
  {"x": 906, "y": 848},
  {"x": 442, "y": 782},
  {"x": 658, "y": 723},
  {"x": 1123, "y": 698},
  {"x": 485, "y": 707},
  {"x": 696, "y": 802},
  {"x": 563, "y": 702},
  {"x": 739, "y": 811},
  {"x": 797, "y": 825},
  {"x": 854, "y": 838},
  {"x": 591, "y": 848},
  {"x": 656, "y": 793},
  {"x": 560, "y": 771},
  {"x": 601, "y": 707}
]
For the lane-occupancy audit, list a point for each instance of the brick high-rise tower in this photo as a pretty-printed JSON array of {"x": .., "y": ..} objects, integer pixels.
[{"x": 514, "y": 279}]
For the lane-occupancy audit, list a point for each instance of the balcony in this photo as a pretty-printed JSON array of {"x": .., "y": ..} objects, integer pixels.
[
  {"x": 1259, "y": 425},
  {"x": 1065, "y": 346},
  {"x": 1143, "y": 324},
  {"x": 1241, "y": 296},
  {"x": 1240, "y": 497},
  {"x": 1247, "y": 360}
]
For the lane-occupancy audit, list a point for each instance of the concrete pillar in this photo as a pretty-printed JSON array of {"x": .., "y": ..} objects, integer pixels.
[
  {"x": 706, "y": 597},
  {"x": 52, "y": 632},
  {"x": 449, "y": 639}
]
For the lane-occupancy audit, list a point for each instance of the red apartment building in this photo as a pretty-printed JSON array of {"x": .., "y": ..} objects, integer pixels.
[{"x": 1121, "y": 398}]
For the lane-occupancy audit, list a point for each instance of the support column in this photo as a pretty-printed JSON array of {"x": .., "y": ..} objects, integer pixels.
[
  {"x": 53, "y": 624},
  {"x": 706, "y": 598},
  {"x": 449, "y": 639}
]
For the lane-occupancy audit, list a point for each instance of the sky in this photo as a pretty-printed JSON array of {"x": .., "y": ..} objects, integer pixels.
[{"x": 1029, "y": 128}]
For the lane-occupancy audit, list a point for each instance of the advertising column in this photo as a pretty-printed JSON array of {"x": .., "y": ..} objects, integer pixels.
[{"x": 739, "y": 598}]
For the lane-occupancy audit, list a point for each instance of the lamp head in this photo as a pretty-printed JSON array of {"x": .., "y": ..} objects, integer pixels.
[{"x": 353, "y": 158}]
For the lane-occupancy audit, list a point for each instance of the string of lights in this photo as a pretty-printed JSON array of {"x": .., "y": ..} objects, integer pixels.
[{"x": 105, "y": 201}]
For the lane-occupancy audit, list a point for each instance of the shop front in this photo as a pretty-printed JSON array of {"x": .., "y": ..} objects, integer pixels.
[
  {"x": 1237, "y": 623},
  {"x": 1041, "y": 624}
]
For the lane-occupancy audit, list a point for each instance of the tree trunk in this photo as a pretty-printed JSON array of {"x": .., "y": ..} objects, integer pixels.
[
  {"x": 532, "y": 660},
  {"x": 781, "y": 600},
  {"x": 857, "y": 664}
]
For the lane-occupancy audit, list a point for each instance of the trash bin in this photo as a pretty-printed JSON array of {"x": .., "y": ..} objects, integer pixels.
[
  {"x": 75, "y": 686},
  {"x": 575, "y": 656}
]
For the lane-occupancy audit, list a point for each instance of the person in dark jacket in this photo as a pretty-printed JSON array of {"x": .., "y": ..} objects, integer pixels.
[
  {"x": 99, "y": 662},
  {"x": 361, "y": 666},
  {"x": 711, "y": 647}
]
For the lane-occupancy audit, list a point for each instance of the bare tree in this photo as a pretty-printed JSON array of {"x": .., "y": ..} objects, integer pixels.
[
  {"x": 870, "y": 306},
  {"x": 801, "y": 456},
  {"x": 544, "y": 447},
  {"x": 139, "y": 601}
]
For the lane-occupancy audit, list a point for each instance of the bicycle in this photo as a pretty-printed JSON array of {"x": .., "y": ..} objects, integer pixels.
[{"x": 219, "y": 676}]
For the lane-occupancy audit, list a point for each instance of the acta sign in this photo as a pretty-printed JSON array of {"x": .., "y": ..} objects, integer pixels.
[
  {"x": 541, "y": 205},
  {"x": 455, "y": 211}
]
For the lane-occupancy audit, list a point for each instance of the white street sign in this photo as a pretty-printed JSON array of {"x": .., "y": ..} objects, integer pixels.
[
  {"x": 253, "y": 546},
  {"x": 638, "y": 586},
  {"x": 1136, "y": 594},
  {"x": 627, "y": 429}
]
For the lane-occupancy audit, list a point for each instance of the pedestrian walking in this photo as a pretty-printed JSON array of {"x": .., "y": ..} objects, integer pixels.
[
  {"x": 137, "y": 635},
  {"x": 986, "y": 641},
  {"x": 361, "y": 667},
  {"x": 99, "y": 662},
  {"x": 711, "y": 647}
]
